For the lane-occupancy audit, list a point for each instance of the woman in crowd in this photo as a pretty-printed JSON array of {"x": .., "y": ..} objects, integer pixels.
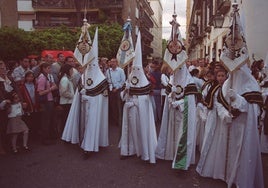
[
  {"x": 28, "y": 94},
  {"x": 66, "y": 90},
  {"x": 45, "y": 99}
]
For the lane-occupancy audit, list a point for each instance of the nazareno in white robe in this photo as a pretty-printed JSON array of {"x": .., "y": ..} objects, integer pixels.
[
  {"x": 213, "y": 154},
  {"x": 138, "y": 126},
  {"x": 87, "y": 122},
  {"x": 96, "y": 122},
  {"x": 71, "y": 130},
  {"x": 92, "y": 113},
  {"x": 172, "y": 124},
  {"x": 244, "y": 155}
]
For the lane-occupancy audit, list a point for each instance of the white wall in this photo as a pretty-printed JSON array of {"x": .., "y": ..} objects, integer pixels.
[
  {"x": 25, "y": 5},
  {"x": 157, "y": 30},
  {"x": 25, "y": 25},
  {"x": 256, "y": 26}
]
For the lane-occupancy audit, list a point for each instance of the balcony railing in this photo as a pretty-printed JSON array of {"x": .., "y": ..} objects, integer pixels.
[
  {"x": 146, "y": 33},
  {"x": 77, "y": 4},
  {"x": 147, "y": 49},
  {"x": 145, "y": 19},
  {"x": 53, "y": 4}
]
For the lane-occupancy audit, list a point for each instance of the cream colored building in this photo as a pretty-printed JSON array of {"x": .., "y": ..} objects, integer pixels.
[
  {"x": 146, "y": 15},
  {"x": 206, "y": 41},
  {"x": 157, "y": 28}
]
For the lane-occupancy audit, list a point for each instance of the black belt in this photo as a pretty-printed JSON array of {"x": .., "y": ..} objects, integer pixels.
[
  {"x": 190, "y": 89},
  {"x": 141, "y": 90},
  {"x": 98, "y": 89}
]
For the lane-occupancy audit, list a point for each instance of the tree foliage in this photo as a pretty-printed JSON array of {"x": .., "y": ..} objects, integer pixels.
[
  {"x": 164, "y": 46},
  {"x": 17, "y": 43}
]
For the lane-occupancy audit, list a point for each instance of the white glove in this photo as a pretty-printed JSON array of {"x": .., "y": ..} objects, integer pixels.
[
  {"x": 204, "y": 114},
  {"x": 127, "y": 85},
  {"x": 3, "y": 104},
  {"x": 175, "y": 104},
  {"x": 136, "y": 101},
  {"x": 263, "y": 115},
  {"x": 201, "y": 112},
  {"x": 174, "y": 89},
  {"x": 170, "y": 98},
  {"x": 231, "y": 94},
  {"x": 262, "y": 83},
  {"x": 228, "y": 118},
  {"x": 178, "y": 104},
  {"x": 83, "y": 91},
  {"x": 129, "y": 104}
]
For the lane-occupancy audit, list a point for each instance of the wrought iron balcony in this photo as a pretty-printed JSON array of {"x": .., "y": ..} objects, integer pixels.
[
  {"x": 77, "y": 4},
  {"x": 146, "y": 20},
  {"x": 53, "y": 4},
  {"x": 146, "y": 33},
  {"x": 147, "y": 49}
]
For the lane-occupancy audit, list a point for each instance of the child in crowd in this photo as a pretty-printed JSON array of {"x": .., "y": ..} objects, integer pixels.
[
  {"x": 15, "y": 124},
  {"x": 166, "y": 72},
  {"x": 28, "y": 94},
  {"x": 213, "y": 153}
]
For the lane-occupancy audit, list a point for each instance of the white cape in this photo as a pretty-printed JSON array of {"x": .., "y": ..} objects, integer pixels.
[{"x": 71, "y": 129}]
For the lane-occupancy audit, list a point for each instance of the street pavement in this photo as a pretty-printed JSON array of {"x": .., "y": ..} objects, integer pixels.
[{"x": 63, "y": 166}]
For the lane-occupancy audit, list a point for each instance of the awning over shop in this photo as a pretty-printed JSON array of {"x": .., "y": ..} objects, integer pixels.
[{"x": 56, "y": 52}]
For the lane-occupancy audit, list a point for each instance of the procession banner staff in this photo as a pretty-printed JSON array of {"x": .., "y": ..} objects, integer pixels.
[
  {"x": 126, "y": 53},
  {"x": 83, "y": 55},
  {"x": 175, "y": 54},
  {"x": 125, "y": 56}
]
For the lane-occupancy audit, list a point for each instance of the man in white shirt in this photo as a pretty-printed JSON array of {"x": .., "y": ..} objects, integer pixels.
[
  {"x": 55, "y": 67},
  {"x": 116, "y": 79},
  {"x": 19, "y": 72}
]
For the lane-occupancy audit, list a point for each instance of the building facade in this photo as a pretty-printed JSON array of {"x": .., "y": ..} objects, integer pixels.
[
  {"x": 157, "y": 28},
  {"x": 8, "y": 13},
  {"x": 205, "y": 41},
  {"x": 38, "y": 14}
]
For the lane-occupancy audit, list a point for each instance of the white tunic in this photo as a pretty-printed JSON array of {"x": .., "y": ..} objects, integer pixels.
[
  {"x": 244, "y": 160},
  {"x": 173, "y": 125},
  {"x": 71, "y": 130},
  {"x": 138, "y": 128},
  {"x": 213, "y": 154},
  {"x": 96, "y": 122}
]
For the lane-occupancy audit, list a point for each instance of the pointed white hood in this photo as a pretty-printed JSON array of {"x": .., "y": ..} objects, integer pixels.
[
  {"x": 241, "y": 81},
  {"x": 181, "y": 77},
  {"x": 93, "y": 74},
  {"x": 137, "y": 77}
]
